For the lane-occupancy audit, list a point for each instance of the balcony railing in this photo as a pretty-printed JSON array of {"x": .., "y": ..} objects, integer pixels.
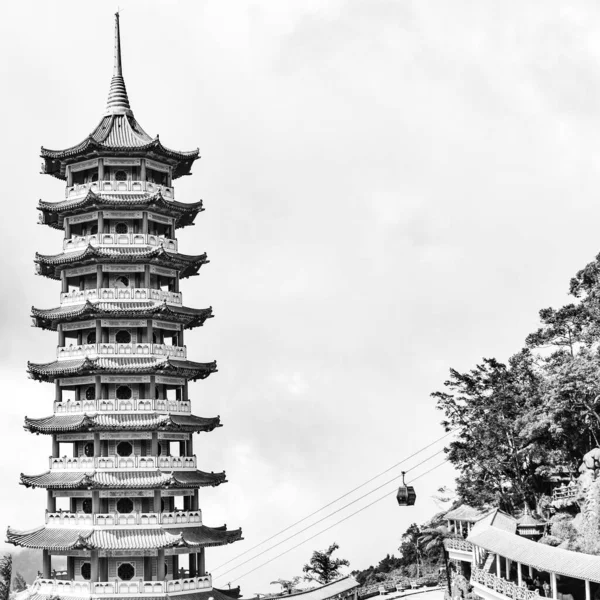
[
  {"x": 124, "y": 463},
  {"x": 137, "y": 587},
  {"x": 131, "y": 187},
  {"x": 114, "y": 405},
  {"x": 458, "y": 544},
  {"x": 108, "y": 349},
  {"x": 502, "y": 586},
  {"x": 77, "y": 242},
  {"x": 75, "y": 520},
  {"x": 110, "y": 294},
  {"x": 565, "y": 492}
]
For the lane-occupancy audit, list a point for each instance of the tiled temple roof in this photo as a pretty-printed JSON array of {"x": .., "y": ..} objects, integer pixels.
[
  {"x": 121, "y": 422},
  {"x": 51, "y": 265},
  {"x": 184, "y": 214},
  {"x": 87, "y": 366},
  {"x": 122, "y": 539},
  {"x": 189, "y": 317},
  {"x": 55, "y": 480}
]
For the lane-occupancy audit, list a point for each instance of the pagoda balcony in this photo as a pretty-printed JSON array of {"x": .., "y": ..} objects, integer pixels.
[
  {"x": 122, "y": 463},
  {"x": 459, "y": 549},
  {"x": 122, "y": 350},
  {"x": 114, "y": 405},
  {"x": 77, "y": 242},
  {"x": 565, "y": 492},
  {"x": 129, "y": 187},
  {"x": 483, "y": 582},
  {"x": 116, "y": 587},
  {"x": 120, "y": 294},
  {"x": 133, "y": 519}
]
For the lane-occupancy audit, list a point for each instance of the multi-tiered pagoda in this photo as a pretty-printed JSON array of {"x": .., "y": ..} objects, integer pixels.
[{"x": 123, "y": 481}]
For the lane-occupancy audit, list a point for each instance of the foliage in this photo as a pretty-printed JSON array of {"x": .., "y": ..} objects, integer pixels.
[
  {"x": 322, "y": 567},
  {"x": 288, "y": 586},
  {"x": 5, "y": 576}
]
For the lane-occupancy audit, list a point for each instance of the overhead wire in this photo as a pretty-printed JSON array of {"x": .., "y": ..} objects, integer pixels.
[
  {"x": 334, "y": 501},
  {"x": 333, "y": 525}
]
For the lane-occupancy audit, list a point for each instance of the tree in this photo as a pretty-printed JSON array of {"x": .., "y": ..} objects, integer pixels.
[
  {"x": 322, "y": 567},
  {"x": 5, "y": 576},
  {"x": 19, "y": 583},
  {"x": 288, "y": 586},
  {"x": 408, "y": 548},
  {"x": 564, "y": 327}
]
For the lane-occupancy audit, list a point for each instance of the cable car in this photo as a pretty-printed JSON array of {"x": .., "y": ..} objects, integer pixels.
[{"x": 406, "y": 493}]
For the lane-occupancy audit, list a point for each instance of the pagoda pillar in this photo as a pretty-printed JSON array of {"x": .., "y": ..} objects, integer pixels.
[
  {"x": 190, "y": 445},
  {"x": 144, "y": 214},
  {"x": 69, "y": 176},
  {"x": 157, "y": 501},
  {"x": 176, "y": 286},
  {"x": 185, "y": 392},
  {"x": 143, "y": 178},
  {"x": 98, "y": 386},
  {"x": 160, "y": 565},
  {"x": 100, "y": 220},
  {"x": 192, "y": 567},
  {"x": 100, "y": 177},
  {"x": 195, "y": 502},
  {"x": 99, "y": 275},
  {"x": 61, "y": 335},
  {"x": 95, "y": 575},
  {"x": 147, "y": 276},
  {"x": 97, "y": 444},
  {"x": 70, "y": 568},
  {"x": 99, "y": 327},
  {"x": 64, "y": 282},
  {"x": 96, "y": 502},
  {"x": 55, "y": 446},
  {"x": 50, "y": 502},
  {"x": 67, "y": 228},
  {"x": 57, "y": 391},
  {"x": 149, "y": 331},
  {"x": 147, "y": 568},
  {"x": 180, "y": 337},
  {"x": 46, "y": 564},
  {"x": 201, "y": 563},
  {"x": 175, "y": 566}
]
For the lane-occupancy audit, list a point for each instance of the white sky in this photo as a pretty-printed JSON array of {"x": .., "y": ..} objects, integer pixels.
[{"x": 391, "y": 188}]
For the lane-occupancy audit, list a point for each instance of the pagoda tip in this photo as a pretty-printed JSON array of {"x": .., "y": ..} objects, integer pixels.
[{"x": 118, "y": 102}]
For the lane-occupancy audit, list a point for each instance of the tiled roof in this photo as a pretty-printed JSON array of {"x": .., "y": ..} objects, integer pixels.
[
  {"x": 184, "y": 368},
  {"x": 188, "y": 265},
  {"x": 328, "y": 590},
  {"x": 497, "y": 519},
  {"x": 540, "y": 556},
  {"x": 51, "y": 317},
  {"x": 114, "y": 421},
  {"x": 123, "y": 480},
  {"x": 464, "y": 512},
  {"x": 122, "y": 539},
  {"x": 184, "y": 213}
]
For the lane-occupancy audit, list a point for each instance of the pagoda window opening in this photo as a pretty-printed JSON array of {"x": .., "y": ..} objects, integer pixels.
[
  {"x": 126, "y": 571},
  {"x": 158, "y": 177},
  {"x": 124, "y": 506},
  {"x": 124, "y": 449},
  {"x": 90, "y": 338},
  {"x": 88, "y": 449},
  {"x": 86, "y": 506},
  {"x": 123, "y": 336},
  {"x": 86, "y": 570},
  {"x": 121, "y": 228},
  {"x": 121, "y": 175}
]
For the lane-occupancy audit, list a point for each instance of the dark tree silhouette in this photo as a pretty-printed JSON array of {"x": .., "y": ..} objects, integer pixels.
[{"x": 322, "y": 568}]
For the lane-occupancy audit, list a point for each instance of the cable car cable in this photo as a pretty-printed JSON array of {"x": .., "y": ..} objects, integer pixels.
[
  {"x": 336, "y": 500},
  {"x": 331, "y": 526},
  {"x": 329, "y": 515}
]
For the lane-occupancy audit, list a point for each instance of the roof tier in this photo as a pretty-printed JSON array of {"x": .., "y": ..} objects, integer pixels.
[
  {"x": 134, "y": 366},
  {"x": 50, "y": 265},
  {"x": 122, "y": 422},
  {"x": 49, "y": 538},
  {"x": 189, "y": 317},
  {"x": 127, "y": 480},
  {"x": 53, "y": 213}
]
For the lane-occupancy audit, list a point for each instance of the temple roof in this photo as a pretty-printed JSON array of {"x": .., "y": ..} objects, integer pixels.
[
  {"x": 143, "y": 480},
  {"x": 184, "y": 214},
  {"x": 467, "y": 513},
  {"x": 121, "y": 422},
  {"x": 189, "y": 317},
  {"x": 50, "y": 265},
  {"x": 117, "y": 133},
  {"x": 49, "y": 538},
  {"x": 87, "y": 366}
]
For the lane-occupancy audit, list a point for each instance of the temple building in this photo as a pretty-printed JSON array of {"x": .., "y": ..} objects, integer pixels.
[{"x": 122, "y": 482}]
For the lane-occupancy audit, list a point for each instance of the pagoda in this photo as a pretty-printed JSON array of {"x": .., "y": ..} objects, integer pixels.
[{"x": 123, "y": 481}]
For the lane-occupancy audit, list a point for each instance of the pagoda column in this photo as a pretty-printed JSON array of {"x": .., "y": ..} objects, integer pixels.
[
  {"x": 46, "y": 564},
  {"x": 64, "y": 282},
  {"x": 201, "y": 563},
  {"x": 147, "y": 276},
  {"x": 98, "y": 331},
  {"x": 143, "y": 178},
  {"x": 50, "y": 502},
  {"x": 160, "y": 565},
  {"x": 55, "y": 446},
  {"x": 95, "y": 576},
  {"x": 61, "y": 335},
  {"x": 145, "y": 213},
  {"x": 57, "y": 391},
  {"x": 193, "y": 562},
  {"x": 100, "y": 177},
  {"x": 98, "y": 386},
  {"x": 100, "y": 221},
  {"x": 70, "y": 568}
]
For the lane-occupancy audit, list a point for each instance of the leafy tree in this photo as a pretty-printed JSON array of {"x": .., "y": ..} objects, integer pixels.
[
  {"x": 288, "y": 586},
  {"x": 408, "y": 547},
  {"x": 322, "y": 567},
  {"x": 564, "y": 328},
  {"x": 19, "y": 583},
  {"x": 5, "y": 576},
  {"x": 389, "y": 563}
]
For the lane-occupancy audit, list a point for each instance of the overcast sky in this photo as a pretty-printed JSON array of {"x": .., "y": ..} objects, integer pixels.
[{"x": 392, "y": 188}]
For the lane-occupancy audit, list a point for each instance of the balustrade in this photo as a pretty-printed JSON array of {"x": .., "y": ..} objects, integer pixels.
[
  {"x": 114, "y": 349},
  {"x": 90, "y": 463},
  {"x": 76, "y": 520},
  {"x": 77, "y": 242},
  {"x": 119, "y": 294},
  {"x": 458, "y": 544},
  {"x": 135, "y": 587},
  {"x": 132, "y": 187},
  {"x": 502, "y": 586},
  {"x": 114, "y": 405},
  {"x": 565, "y": 492}
]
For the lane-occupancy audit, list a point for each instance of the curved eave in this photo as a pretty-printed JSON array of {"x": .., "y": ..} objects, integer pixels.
[
  {"x": 48, "y": 538},
  {"x": 121, "y": 422},
  {"x": 123, "y": 480},
  {"x": 52, "y": 317},
  {"x": 53, "y": 213},
  {"x": 135, "y": 366},
  {"x": 56, "y": 161},
  {"x": 51, "y": 265}
]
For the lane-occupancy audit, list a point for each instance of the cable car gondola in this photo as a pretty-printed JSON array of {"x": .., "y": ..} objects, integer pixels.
[{"x": 406, "y": 493}]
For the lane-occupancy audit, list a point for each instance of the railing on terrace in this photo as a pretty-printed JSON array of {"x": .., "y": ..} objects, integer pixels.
[
  {"x": 77, "y": 242},
  {"x": 458, "y": 544},
  {"x": 86, "y": 463},
  {"x": 112, "y": 349},
  {"x": 112, "y": 405},
  {"x": 120, "y": 293},
  {"x": 74, "y": 520},
  {"x": 502, "y": 586},
  {"x": 133, "y": 187},
  {"x": 136, "y": 587},
  {"x": 564, "y": 492}
]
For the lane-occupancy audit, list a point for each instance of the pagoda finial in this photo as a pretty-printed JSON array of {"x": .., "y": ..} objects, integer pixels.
[{"x": 118, "y": 103}]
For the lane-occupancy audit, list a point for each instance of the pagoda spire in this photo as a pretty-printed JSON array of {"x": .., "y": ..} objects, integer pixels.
[{"x": 118, "y": 102}]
